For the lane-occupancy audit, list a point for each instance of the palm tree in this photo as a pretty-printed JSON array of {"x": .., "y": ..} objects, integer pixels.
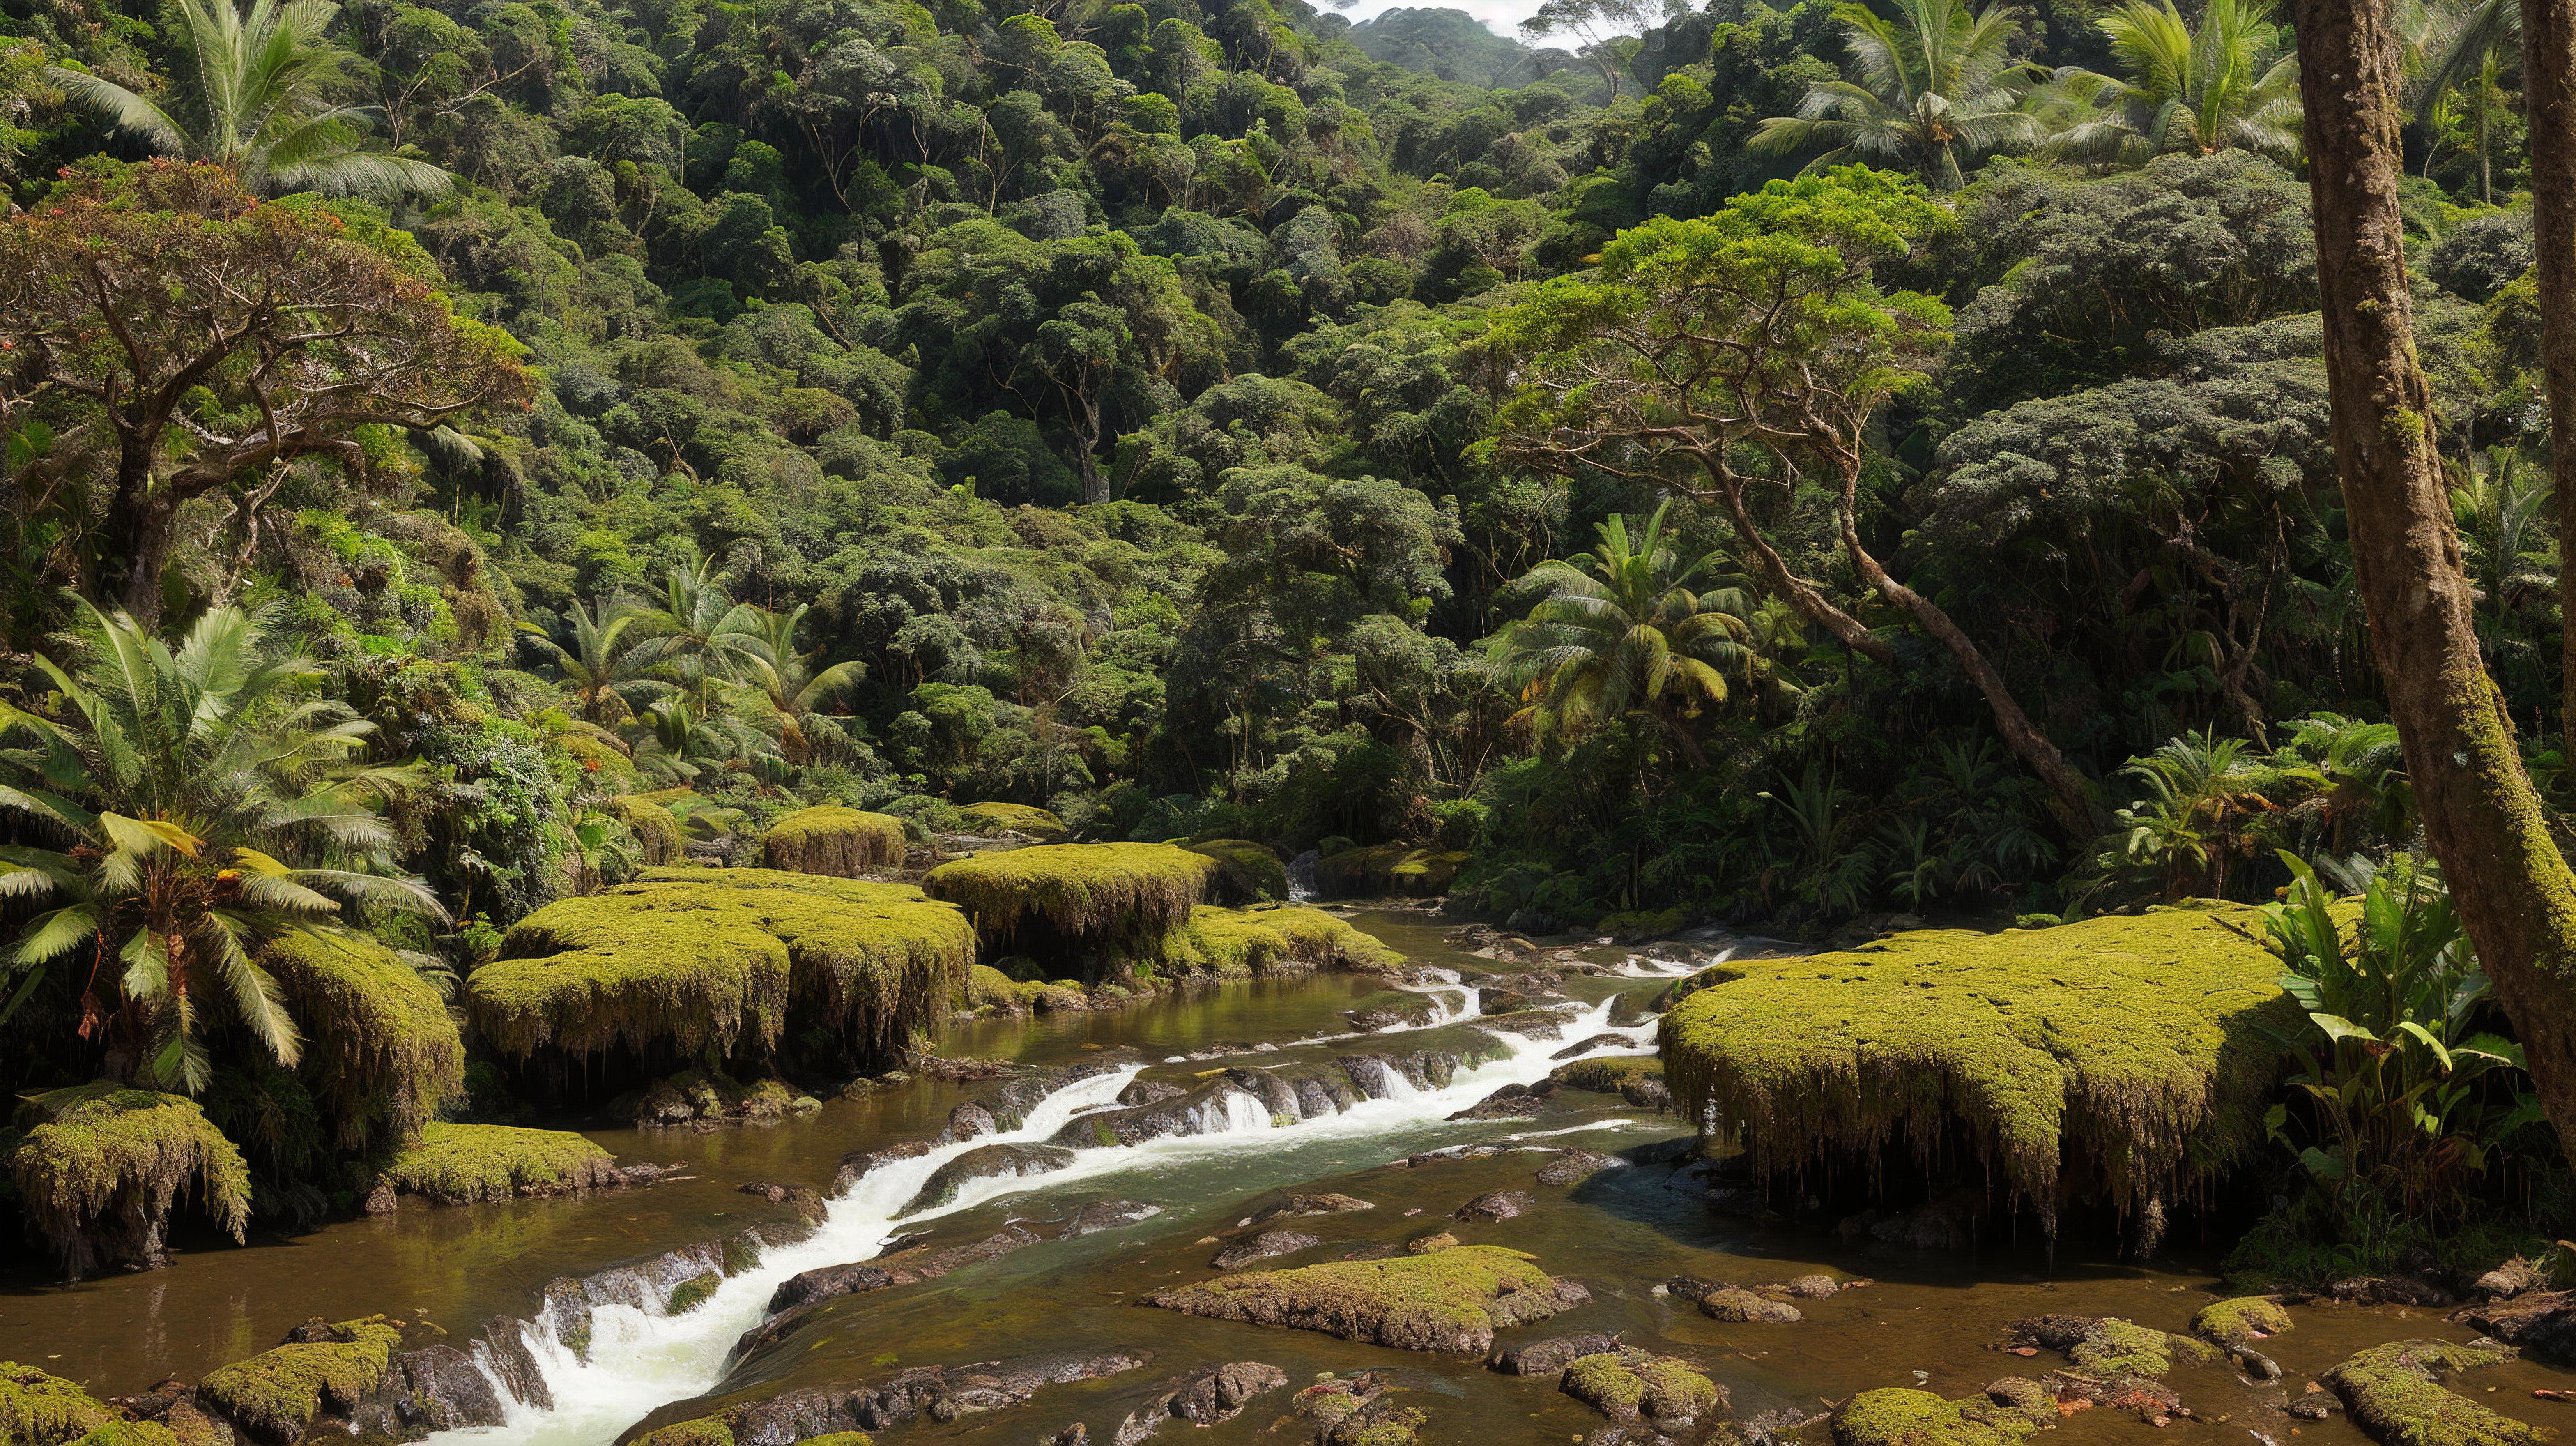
[
  {"x": 1936, "y": 83},
  {"x": 2466, "y": 45},
  {"x": 700, "y": 635},
  {"x": 2501, "y": 508},
  {"x": 204, "y": 802},
  {"x": 1620, "y": 633},
  {"x": 258, "y": 101},
  {"x": 608, "y": 670},
  {"x": 2231, "y": 84},
  {"x": 2206, "y": 799},
  {"x": 794, "y": 687}
]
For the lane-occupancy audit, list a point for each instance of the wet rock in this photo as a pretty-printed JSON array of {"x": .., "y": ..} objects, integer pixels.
[
  {"x": 1743, "y": 1307},
  {"x": 807, "y": 1203},
  {"x": 1574, "y": 1166},
  {"x": 969, "y": 1121},
  {"x": 435, "y": 1388},
  {"x": 1450, "y": 1152},
  {"x": 506, "y": 1350},
  {"x": 1142, "y": 1091},
  {"x": 1102, "y": 1215},
  {"x": 1326, "y": 1203},
  {"x": 2395, "y": 1394},
  {"x": 2390, "y": 1290},
  {"x": 1627, "y": 1384},
  {"x": 1425, "y": 1244},
  {"x": 2506, "y": 1281},
  {"x": 971, "y": 1070},
  {"x": 1360, "y": 1411},
  {"x": 1209, "y": 1396},
  {"x": 1076, "y": 1434},
  {"x": 1550, "y": 1357},
  {"x": 1267, "y": 1245},
  {"x": 1598, "y": 1041},
  {"x": 1511, "y": 1102},
  {"x": 1532, "y": 1023},
  {"x": 2541, "y": 1324},
  {"x": 1809, "y": 1287},
  {"x": 1452, "y": 1301},
  {"x": 2315, "y": 1406},
  {"x": 935, "y": 1393},
  {"x": 2107, "y": 1346},
  {"x": 1411, "y": 1014},
  {"x": 1776, "y": 1428},
  {"x": 1646, "y": 1092},
  {"x": 985, "y": 1163},
  {"x": 858, "y": 1164},
  {"x": 826, "y": 1283},
  {"x": 1496, "y": 1205}
]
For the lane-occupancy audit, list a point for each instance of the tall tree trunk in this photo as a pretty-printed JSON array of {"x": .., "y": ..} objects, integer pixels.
[
  {"x": 2549, "y": 95},
  {"x": 2511, "y": 885}
]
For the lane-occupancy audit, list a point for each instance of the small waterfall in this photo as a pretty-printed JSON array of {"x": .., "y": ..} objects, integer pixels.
[{"x": 1301, "y": 877}]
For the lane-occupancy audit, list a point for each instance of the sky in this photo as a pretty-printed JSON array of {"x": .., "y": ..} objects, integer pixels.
[{"x": 1503, "y": 17}]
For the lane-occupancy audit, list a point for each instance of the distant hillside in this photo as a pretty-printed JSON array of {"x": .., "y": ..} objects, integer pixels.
[{"x": 1453, "y": 45}]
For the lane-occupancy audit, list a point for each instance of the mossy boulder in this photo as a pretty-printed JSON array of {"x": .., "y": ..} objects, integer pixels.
[
  {"x": 1629, "y": 1385},
  {"x": 1380, "y": 869},
  {"x": 1247, "y": 872},
  {"x": 1636, "y": 927},
  {"x": 380, "y": 1047},
  {"x": 2242, "y": 1321},
  {"x": 464, "y": 1164},
  {"x": 1118, "y": 903},
  {"x": 1026, "y": 820},
  {"x": 1609, "y": 1076},
  {"x": 100, "y": 1167},
  {"x": 656, "y": 829},
  {"x": 1450, "y": 1300},
  {"x": 686, "y": 961},
  {"x": 843, "y": 842},
  {"x": 38, "y": 1408},
  {"x": 1256, "y": 941},
  {"x": 705, "y": 1431},
  {"x": 1901, "y": 1417},
  {"x": 2134, "y": 1046},
  {"x": 2394, "y": 1393},
  {"x": 322, "y": 1373}
]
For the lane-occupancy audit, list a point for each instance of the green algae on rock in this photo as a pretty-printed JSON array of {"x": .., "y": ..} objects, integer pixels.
[
  {"x": 2241, "y": 1321},
  {"x": 656, "y": 828},
  {"x": 1247, "y": 872},
  {"x": 1387, "y": 869},
  {"x": 467, "y": 1164},
  {"x": 1450, "y": 1300},
  {"x": 1608, "y": 1076},
  {"x": 705, "y": 1431},
  {"x": 1118, "y": 901},
  {"x": 322, "y": 1370},
  {"x": 1026, "y": 820},
  {"x": 844, "y": 842},
  {"x": 1905, "y": 1417},
  {"x": 2109, "y": 1346},
  {"x": 380, "y": 1046},
  {"x": 38, "y": 1408},
  {"x": 2394, "y": 1394},
  {"x": 1628, "y": 1384},
  {"x": 1255, "y": 941},
  {"x": 2132, "y": 1046},
  {"x": 693, "y": 960},
  {"x": 101, "y": 1165}
]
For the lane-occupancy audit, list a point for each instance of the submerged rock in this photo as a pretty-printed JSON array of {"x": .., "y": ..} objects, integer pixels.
[
  {"x": 1511, "y": 1102},
  {"x": 1453, "y": 1300},
  {"x": 1209, "y": 1396},
  {"x": 1102, "y": 1215},
  {"x": 935, "y": 1393},
  {"x": 1550, "y": 1357},
  {"x": 1627, "y": 1384},
  {"x": 1360, "y": 1411},
  {"x": 1743, "y": 1307},
  {"x": 1327, "y": 1203},
  {"x": 2394, "y": 1394},
  {"x": 1496, "y": 1205},
  {"x": 2110, "y": 1346},
  {"x": 1267, "y": 1245},
  {"x": 859, "y": 1164},
  {"x": 1572, "y": 1167}
]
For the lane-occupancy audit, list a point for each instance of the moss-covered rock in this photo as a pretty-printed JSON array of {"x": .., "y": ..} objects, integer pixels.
[
  {"x": 705, "y": 1431},
  {"x": 2107, "y": 1346},
  {"x": 1629, "y": 1384},
  {"x": 2143, "y": 1037},
  {"x": 1638, "y": 926},
  {"x": 1608, "y": 1076},
  {"x": 2242, "y": 1321},
  {"x": 1255, "y": 941},
  {"x": 2394, "y": 1393},
  {"x": 1026, "y": 820},
  {"x": 1119, "y": 903},
  {"x": 656, "y": 828},
  {"x": 695, "y": 1094},
  {"x": 692, "y": 960},
  {"x": 101, "y": 1166},
  {"x": 843, "y": 842},
  {"x": 1450, "y": 1300},
  {"x": 1899, "y": 1417},
  {"x": 465, "y": 1164},
  {"x": 323, "y": 1372},
  {"x": 38, "y": 1408},
  {"x": 380, "y": 1047},
  {"x": 1366, "y": 873},
  {"x": 1247, "y": 872}
]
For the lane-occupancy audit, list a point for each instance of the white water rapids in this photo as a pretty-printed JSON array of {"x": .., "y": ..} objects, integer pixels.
[{"x": 640, "y": 1359}]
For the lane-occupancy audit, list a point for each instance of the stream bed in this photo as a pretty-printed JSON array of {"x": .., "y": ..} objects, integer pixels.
[{"x": 1925, "y": 1319}]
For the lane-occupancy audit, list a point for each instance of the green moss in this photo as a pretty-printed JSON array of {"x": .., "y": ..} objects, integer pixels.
[
  {"x": 280, "y": 1393},
  {"x": 1247, "y": 873},
  {"x": 1388, "y": 869},
  {"x": 1254, "y": 941},
  {"x": 100, "y": 1167},
  {"x": 2394, "y": 1394},
  {"x": 379, "y": 1045},
  {"x": 1636, "y": 928},
  {"x": 1450, "y": 1300},
  {"x": 1630, "y": 1383},
  {"x": 130, "y": 1433},
  {"x": 705, "y": 1431},
  {"x": 656, "y": 828},
  {"x": 2124, "y": 1348},
  {"x": 1023, "y": 819},
  {"x": 2143, "y": 1037},
  {"x": 1120, "y": 900},
  {"x": 840, "y": 841},
  {"x": 1919, "y": 1418},
  {"x": 707, "y": 959},
  {"x": 1607, "y": 1076},
  {"x": 464, "y": 1164},
  {"x": 838, "y": 1438},
  {"x": 2241, "y": 1321},
  {"x": 38, "y": 1408}
]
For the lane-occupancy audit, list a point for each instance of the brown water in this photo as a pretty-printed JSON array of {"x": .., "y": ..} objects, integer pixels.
[{"x": 1931, "y": 1320}]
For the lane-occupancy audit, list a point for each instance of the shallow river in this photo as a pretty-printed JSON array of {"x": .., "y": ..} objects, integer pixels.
[{"x": 1926, "y": 1320}]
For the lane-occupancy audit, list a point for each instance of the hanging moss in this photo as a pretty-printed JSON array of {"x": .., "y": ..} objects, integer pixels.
[
  {"x": 708, "y": 959},
  {"x": 379, "y": 1045},
  {"x": 466, "y": 1164},
  {"x": 2395, "y": 1395},
  {"x": 656, "y": 828},
  {"x": 1255, "y": 941},
  {"x": 843, "y": 842},
  {"x": 1367, "y": 873},
  {"x": 100, "y": 1167},
  {"x": 1023, "y": 819},
  {"x": 2134, "y": 1045},
  {"x": 1246, "y": 872},
  {"x": 279, "y": 1394},
  {"x": 1122, "y": 901}
]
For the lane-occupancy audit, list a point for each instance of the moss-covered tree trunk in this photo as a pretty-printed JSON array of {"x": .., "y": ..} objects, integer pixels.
[
  {"x": 2481, "y": 813},
  {"x": 2549, "y": 96}
]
